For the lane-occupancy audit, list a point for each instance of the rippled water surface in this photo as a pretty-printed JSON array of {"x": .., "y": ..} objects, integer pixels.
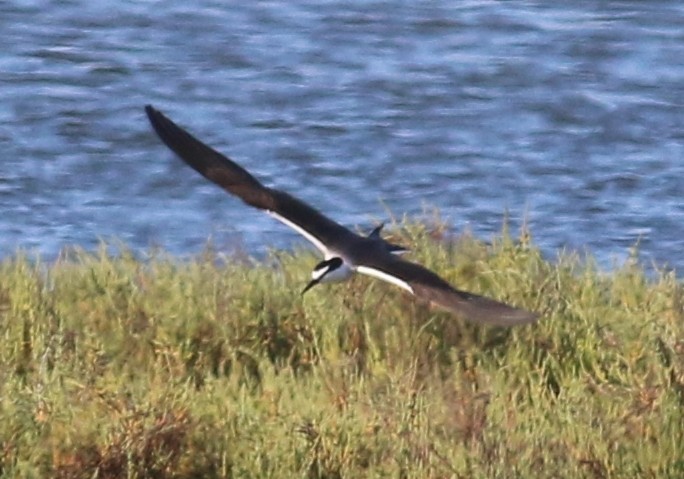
[{"x": 567, "y": 114}]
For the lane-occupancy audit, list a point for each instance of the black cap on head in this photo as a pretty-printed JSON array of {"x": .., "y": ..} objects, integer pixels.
[{"x": 321, "y": 269}]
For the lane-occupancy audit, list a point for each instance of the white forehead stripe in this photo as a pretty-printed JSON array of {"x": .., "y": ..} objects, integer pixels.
[
  {"x": 385, "y": 277},
  {"x": 319, "y": 272}
]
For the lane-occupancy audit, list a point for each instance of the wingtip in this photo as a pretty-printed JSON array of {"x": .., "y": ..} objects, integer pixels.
[
  {"x": 484, "y": 310},
  {"x": 151, "y": 111},
  {"x": 517, "y": 317}
]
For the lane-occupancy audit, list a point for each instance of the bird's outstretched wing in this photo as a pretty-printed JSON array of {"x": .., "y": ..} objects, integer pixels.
[
  {"x": 324, "y": 232},
  {"x": 306, "y": 220},
  {"x": 427, "y": 285}
]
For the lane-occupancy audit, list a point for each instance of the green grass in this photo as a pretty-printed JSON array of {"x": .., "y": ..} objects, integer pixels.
[{"x": 112, "y": 366}]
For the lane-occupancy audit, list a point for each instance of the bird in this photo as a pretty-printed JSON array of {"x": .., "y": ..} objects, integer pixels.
[{"x": 344, "y": 251}]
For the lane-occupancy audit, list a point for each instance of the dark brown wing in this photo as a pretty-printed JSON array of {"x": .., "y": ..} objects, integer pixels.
[
  {"x": 316, "y": 227},
  {"x": 427, "y": 285}
]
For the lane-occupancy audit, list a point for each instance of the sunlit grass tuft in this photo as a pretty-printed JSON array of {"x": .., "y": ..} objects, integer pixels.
[{"x": 117, "y": 366}]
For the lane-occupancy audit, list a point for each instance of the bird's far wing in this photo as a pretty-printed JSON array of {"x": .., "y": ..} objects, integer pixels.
[
  {"x": 208, "y": 162},
  {"x": 230, "y": 176},
  {"x": 426, "y": 285}
]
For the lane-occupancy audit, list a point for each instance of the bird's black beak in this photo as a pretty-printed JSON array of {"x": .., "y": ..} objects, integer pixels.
[{"x": 311, "y": 284}]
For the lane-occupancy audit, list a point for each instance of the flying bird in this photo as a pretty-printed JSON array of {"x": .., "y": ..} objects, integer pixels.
[{"x": 344, "y": 251}]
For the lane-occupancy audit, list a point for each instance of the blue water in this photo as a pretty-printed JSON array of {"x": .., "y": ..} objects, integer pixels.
[{"x": 567, "y": 115}]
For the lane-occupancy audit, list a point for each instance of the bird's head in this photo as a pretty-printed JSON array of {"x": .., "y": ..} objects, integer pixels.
[{"x": 333, "y": 269}]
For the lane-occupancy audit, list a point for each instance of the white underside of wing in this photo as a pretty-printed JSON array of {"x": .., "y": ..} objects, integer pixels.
[
  {"x": 302, "y": 232},
  {"x": 385, "y": 277}
]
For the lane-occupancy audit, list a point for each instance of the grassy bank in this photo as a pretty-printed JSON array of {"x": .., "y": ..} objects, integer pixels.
[{"x": 112, "y": 366}]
